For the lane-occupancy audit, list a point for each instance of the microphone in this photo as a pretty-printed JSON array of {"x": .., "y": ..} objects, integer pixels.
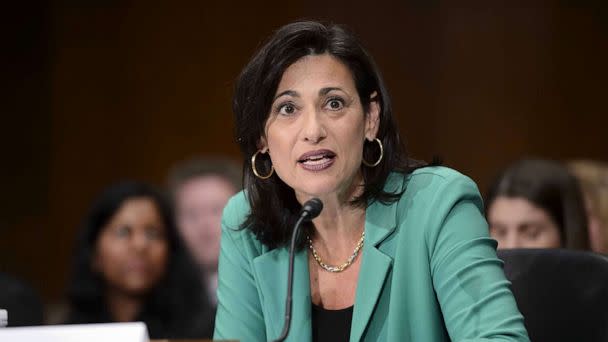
[{"x": 311, "y": 209}]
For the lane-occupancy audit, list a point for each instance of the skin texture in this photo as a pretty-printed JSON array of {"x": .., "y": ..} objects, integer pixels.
[
  {"x": 131, "y": 256},
  {"x": 317, "y": 108},
  {"x": 517, "y": 223}
]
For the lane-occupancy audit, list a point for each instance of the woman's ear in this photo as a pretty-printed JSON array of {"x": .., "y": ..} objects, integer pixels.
[
  {"x": 262, "y": 145},
  {"x": 373, "y": 117}
]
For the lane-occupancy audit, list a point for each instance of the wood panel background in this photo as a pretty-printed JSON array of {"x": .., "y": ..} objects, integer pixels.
[{"x": 99, "y": 91}]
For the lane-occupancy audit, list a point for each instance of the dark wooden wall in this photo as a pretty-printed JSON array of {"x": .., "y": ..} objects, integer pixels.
[{"x": 99, "y": 91}]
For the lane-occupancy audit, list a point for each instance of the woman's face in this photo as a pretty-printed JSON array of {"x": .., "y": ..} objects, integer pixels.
[
  {"x": 132, "y": 249},
  {"x": 316, "y": 128},
  {"x": 517, "y": 223},
  {"x": 199, "y": 203}
]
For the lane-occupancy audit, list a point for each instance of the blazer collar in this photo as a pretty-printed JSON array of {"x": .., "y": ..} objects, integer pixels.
[
  {"x": 381, "y": 219},
  {"x": 271, "y": 273},
  {"x": 380, "y": 222}
]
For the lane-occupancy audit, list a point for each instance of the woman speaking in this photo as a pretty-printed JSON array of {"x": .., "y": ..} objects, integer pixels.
[{"x": 400, "y": 251}]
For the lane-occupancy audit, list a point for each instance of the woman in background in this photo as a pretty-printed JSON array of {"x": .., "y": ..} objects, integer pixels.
[
  {"x": 130, "y": 265},
  {"x": 537, "y": 204}
]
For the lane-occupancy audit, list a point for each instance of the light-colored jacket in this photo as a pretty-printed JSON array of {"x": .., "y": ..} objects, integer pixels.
[{"x": 429, "y": 272}]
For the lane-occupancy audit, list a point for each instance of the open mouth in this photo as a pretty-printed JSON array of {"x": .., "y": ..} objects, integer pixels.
[{"x": 317, "y": 160}]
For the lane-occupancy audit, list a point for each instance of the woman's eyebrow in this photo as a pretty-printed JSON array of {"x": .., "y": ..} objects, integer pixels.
[
  {"x": 322, "y": 92},
  {"x": 287, "y": 92},
  {"x": 326, "y": 90}
]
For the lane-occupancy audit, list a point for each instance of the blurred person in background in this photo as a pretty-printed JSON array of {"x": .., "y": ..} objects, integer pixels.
[
  {"x": 593, "y": 177},
  {"x": 130, "y": 265},
  {"x": 21, "y": 301},
  {"x": 200, "y": 188},
  {"x": 537, "y": 203}
]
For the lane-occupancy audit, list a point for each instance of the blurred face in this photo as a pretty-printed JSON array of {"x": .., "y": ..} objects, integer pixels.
[
  {"x": 132, "y": 249},
  {"x": 517, "y": 223},
  {"x": 597, "y": 241},
  {"x": 199, "y": 204},
  {"x": 316, "y": 128}
]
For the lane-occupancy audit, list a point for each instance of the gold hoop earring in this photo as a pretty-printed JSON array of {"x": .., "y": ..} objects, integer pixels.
[
  {"x": 255, "y": 171},
  {"x": 379, "y": 159}
]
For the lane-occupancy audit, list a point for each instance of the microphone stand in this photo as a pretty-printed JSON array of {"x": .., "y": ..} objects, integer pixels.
[
  {"x": 288, "y": 300},
  {"x": 311, "y": 209}
]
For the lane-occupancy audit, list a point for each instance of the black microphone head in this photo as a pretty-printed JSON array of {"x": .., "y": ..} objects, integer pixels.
[{"x": 312, "y": 208}]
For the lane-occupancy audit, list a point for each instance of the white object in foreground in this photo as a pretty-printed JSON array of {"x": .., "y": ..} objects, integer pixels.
[
  {"x": 105, "y": 332},
  {"x": 3, "y": 318}
]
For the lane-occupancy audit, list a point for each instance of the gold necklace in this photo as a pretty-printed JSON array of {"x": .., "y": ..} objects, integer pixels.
[{"x": 339, "y": 268}]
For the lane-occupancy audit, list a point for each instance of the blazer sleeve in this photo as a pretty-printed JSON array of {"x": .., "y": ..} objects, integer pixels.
[
  {"x": 468, "y": 277},
  {"x": 239, "y": 313}
]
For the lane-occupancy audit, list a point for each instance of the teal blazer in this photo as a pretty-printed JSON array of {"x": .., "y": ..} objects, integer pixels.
[{"x": 429, "y": 272}]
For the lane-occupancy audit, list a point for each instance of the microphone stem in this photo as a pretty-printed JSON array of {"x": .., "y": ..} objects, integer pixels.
[{"x": 288, "y": 301}]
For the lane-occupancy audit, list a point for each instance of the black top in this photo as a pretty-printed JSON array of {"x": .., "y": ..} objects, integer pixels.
[{"x": 331, "y": 325}]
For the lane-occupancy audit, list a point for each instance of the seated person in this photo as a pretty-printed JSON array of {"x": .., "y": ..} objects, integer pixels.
[
  {"x": 21, "y": 302},
  {"x": 130, "y": 265},
  {"x": 200, "y": 189},
  {"x": 399, "y": 252},
  {"x": 537, "y": 204},
  {"x": 593, "y": 177}
]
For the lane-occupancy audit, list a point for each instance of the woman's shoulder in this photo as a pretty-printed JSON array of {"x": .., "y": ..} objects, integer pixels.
[
  {"x": 438, "y": 173},
  {"x": 430, "y": 194},
  {"x": 233, "y": 217},
  {"x": 430, "y": 179},
  {"x": 432, "y": 190},
  {"x": 236, "y": 211}
]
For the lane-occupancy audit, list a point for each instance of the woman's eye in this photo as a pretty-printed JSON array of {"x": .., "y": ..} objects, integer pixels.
[
  {"x": 122, "y": 231},
  {"x": 154, "y": 234},
  {"x": 287, "y": 109},
  {"x": 335, "y": 104},
  {"x": 533, "y": 233}
]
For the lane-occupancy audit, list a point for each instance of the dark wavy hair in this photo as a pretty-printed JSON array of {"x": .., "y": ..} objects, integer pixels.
[
  {"x": 548, "y": 185},
  {"x": 273, "y": 203},
  {"x": 177, "y": 307}
]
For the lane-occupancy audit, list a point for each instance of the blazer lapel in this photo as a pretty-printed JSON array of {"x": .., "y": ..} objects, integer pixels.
[
  {"x": 380, "y": 222},
  {"x": 271, "y": 273}
]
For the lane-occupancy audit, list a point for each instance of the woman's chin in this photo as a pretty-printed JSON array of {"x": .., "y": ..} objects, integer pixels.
[
  {"x": 321, "y": 190},
  {"x": 307, "y": 192}
]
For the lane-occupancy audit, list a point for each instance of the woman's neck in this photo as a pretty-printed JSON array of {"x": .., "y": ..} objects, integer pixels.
[
  {"x": 338, "y": 229},
  {"x": 340, "y": 223},
  {"x": 123, "y": 307},
  {"x": 339, "y": 226},
  {"x": 339, "y": 216}
]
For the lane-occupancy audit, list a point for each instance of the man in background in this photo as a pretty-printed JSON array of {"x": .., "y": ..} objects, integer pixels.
[{"x": 200, "y": 188}]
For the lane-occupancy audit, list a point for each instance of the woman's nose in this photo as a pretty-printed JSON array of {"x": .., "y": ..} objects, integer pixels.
[
  {"x": 313, "y": 130},
  {"x": 139, "y": 241}
]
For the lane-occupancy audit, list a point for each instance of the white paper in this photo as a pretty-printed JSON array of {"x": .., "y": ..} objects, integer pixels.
[{"x": 106, "y": 332}]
